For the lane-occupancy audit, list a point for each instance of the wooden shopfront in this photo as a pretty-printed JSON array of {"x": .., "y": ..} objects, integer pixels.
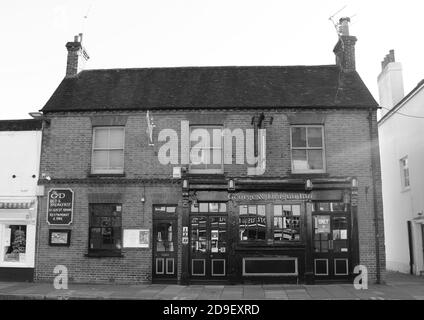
[{"x": 273, "y": 236}]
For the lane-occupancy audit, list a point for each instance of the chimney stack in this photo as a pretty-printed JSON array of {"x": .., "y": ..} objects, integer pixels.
[
  {"x": 345, "y": 47},
  {"x": 77, "y": 56},
  {"x": 390, "y": 82}
]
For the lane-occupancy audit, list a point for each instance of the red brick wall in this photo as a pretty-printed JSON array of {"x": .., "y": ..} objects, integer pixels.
[{"x": 66, "y": 154}]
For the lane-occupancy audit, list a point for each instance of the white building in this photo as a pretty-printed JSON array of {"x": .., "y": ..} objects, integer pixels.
[
  {"x": 401, "y": 133},
  {"x": 20, "y": 143}
]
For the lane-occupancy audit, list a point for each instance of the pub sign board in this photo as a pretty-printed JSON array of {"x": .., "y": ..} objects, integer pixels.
[{"x": 60, "y": 206}]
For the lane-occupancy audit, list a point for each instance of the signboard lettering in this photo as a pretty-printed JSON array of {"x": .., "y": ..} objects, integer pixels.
[{"x": 60, "y": 205}]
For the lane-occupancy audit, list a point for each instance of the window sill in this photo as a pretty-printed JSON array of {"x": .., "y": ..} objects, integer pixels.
[{"x": 104, "y": 254}]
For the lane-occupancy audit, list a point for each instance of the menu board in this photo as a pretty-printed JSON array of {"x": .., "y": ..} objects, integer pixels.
[{"x": 136, "y": 238}]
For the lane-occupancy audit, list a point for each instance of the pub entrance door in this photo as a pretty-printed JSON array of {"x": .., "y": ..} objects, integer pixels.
[
  {"x": 331, "y": 243},
  {"x": 164, "y": 244},
  {"x": 208, "y": 243}
]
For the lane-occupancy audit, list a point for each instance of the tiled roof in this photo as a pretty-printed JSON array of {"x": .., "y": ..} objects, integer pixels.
[{"x": 210, "y": 88}]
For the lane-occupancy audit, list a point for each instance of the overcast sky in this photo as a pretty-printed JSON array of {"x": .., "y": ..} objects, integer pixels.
[{"x": 167, "y": 33}]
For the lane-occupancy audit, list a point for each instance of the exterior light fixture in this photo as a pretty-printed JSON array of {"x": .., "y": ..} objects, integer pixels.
[
  {"x": 354, "y": 183},
  {"x": 308, "y": 184},
  {"x": 231, "y": 185},
  {"x": 185, "y": 184}
]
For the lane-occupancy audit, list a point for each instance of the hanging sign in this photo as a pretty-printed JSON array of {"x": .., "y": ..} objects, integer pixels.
[{"x": 60, "y": 203}]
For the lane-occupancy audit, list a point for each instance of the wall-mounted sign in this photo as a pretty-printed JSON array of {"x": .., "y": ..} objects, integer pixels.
[
  {"x": 60, "y": 205},
  {"x": 185, "y": 231},
  {"x": 185, "y": 240},
  {"x": 136, "y": 238},
  {"x": 242, "y": 196},
  {"x": 59, "y": 237}
]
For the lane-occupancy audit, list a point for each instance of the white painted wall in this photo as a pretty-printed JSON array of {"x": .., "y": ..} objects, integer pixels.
[
  {"x": 20, "y": 156},
  {"x": 390, "y": 86},
  {"x": 402, "y": 136}
]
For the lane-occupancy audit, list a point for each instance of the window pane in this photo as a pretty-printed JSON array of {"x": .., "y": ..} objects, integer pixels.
[
  {"x": 213, "y": 207},
  {"x": 315, "y": 159},
  {"x": 100, "y": 159},
  {"x": 315, "y": 137},
  {"x": 222, "y": 207},
  {"x": 101, "y": 138},
  {"x": 261, "y": 210},
  {"x": 252, "y": 209},
  {"x": 116, "y": 138},
  {"x": 298, "y": 137},
  {"x": 116, "y": 158},
  {"x": 296, "y": 210},
  {"x": 299, "y": 160},
  {"x": 243, "y": 209},
  {"x": 203, "y": 207},
  {"x": 278, "y": 210}
]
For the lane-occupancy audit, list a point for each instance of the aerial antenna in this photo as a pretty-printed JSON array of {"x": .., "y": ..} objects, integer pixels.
[
  {"x": 336, "y": 24},
  {"x": 85, "y": 18}
]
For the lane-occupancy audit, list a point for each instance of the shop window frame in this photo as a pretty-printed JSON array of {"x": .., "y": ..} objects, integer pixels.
[
  {"x": 103, "y": 252},
  {"x": 301, "y": 223},
  {"x": 253, "y": 241}
]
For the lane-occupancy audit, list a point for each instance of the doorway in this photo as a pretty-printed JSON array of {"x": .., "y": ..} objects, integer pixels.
[
  {"x": 331, "y": 245},
  {"x": 209, "y": 243}
]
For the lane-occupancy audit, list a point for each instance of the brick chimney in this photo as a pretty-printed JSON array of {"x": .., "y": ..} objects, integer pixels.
[
  {"x": 390, "y": 82},
  {"x": 77, "y": 56},
  {"x": 345, "y": 47}
]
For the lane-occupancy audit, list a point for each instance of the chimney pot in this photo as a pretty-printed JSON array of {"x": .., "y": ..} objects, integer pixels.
[{"x": 344, "y": 26}]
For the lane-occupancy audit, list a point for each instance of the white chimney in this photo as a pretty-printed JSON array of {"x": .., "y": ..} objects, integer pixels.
[{"x": 390, "y": 83}]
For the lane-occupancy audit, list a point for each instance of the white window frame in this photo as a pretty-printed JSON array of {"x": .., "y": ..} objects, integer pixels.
[
  {"x": 211, "y": 148},
  {"x": 93, "y": 149},
  {"x": 402, "y": 173},
  {"x": 323, "y": 170}
]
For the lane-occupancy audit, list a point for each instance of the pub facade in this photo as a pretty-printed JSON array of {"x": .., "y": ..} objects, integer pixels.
[{"x": 146, "y": 198}]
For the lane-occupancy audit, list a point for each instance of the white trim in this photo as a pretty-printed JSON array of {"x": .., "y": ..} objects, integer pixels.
[
  {"x": 204, "y": 267},
  {"x": 163, "y": 266},
  {"x": 324, "y": 169},
  {"x": 347, "y": 268},
  {"x": 173, "y": 265},
  {"x": 93, "y": 149},
  {"x": 270, "y": 274},
  {"x": 315, "y": 267},
  {"x": 218, "y": 274}
]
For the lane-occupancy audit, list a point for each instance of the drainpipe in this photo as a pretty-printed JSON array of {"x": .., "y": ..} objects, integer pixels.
[{"x": 374, "y": 185}]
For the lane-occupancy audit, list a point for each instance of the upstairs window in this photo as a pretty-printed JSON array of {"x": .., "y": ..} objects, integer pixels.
[
  {"x": 108, "y": 150},
  {"x": 307, "y": 149},
  {"x": 206, "y": 149},
  {"x": 404, "y": 168}
]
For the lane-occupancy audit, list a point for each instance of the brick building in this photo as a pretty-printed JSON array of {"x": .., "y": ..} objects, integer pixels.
[{"x": 307, "y": 209}]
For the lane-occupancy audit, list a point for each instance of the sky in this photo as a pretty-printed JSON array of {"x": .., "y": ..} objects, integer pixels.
[{"x": 175, "y": 33}]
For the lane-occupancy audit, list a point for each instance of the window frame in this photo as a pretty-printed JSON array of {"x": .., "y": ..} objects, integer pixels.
[
  {"x": 104, "y": 252},
  {"x": 256, "y": 240},
  {"x": 94, "y": 170},
  {"x": 324, "y": 166},
  {"x": 301, "y": 221},
  {"x": 211, "y": 148},
  {"x": 404, "y": 168}
]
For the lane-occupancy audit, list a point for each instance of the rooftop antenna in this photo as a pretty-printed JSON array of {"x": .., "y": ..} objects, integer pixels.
[
  {"x": 336, "y": 24},
  {"x": 85, "y": 18}
]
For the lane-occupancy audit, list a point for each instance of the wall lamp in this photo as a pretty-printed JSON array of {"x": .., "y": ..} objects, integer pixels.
[
  {"x": 231, "y": 185},
  {"x": 308, "y": 184}
]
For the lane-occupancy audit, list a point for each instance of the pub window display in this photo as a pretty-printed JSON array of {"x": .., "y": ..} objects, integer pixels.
[
  {"x": 15, "y": 245},
  {"x": 252, "y": 222},
  {"x": 286, "y": 222},
  {"x": 105, "y": 228}
]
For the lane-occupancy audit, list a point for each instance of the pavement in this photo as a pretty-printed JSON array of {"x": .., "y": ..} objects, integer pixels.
[{"x": 397, "y": 287}]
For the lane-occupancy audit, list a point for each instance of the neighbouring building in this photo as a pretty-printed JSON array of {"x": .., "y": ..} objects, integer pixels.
[
  {"x": 20, "y": 142},
  {"x": 290, "y": 192},
  {"x": 401, "y": 131}
]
